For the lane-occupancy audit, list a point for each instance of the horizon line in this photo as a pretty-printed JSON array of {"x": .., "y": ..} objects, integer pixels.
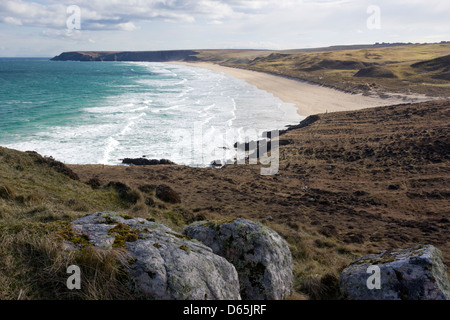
[{"x": 248, "y": 49}]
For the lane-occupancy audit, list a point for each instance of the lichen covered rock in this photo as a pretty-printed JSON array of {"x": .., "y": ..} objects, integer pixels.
[
  {"x": 164, "y": 264},
  {"x": 411, "y": 274},
  {"x": 261, "y": 257}
]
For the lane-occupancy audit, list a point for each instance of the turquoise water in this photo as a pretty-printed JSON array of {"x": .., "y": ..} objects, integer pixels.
[{"x": 102, "y": 112}]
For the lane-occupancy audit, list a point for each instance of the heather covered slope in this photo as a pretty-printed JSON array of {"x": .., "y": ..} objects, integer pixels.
[
  {"x": 350, "y": 183},
  {"x": 373, "y": 178}
]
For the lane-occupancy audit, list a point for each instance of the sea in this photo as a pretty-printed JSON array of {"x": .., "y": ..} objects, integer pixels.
[{"x": 103, "y": 112}]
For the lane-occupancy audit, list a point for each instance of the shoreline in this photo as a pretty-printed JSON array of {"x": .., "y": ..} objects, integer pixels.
[
  {"x": 309, "y": 98},
  {"x": 319, "y": 99}
]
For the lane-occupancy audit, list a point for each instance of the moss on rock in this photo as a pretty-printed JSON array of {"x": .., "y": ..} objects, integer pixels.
[{"x": 123, "y": 233}]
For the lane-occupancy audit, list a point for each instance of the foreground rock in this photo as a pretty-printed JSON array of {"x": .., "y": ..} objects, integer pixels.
[
  {"x": 412, "y": 274},
  {"x": 164, "y": 264},
  {"x": 261, "y": 257}
]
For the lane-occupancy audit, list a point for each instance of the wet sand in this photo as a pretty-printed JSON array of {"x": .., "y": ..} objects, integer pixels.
[{"x": 309, "y": 98}]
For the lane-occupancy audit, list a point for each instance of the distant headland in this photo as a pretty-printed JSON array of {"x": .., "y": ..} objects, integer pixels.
[
  {"x": 151, "y": 56},
  {"x": 195, "y": 55}
]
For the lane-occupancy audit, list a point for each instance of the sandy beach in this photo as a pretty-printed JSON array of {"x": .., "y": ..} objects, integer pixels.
[{"x": 309, "y": 98}]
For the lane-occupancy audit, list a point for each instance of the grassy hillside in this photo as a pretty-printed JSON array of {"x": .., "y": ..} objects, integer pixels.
[
  {"x": 34, "y": 188},
  {"x": 350, "y": 183},
  {"x": 337, "y": 68},
  {"x": 39, "y": 197}
]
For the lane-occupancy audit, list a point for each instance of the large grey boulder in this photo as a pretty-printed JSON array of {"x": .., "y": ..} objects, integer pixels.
[
  {"x": 416, "y": 273},
  {"x": 164, "y": 264},
  {"x": 261, "y": 257}
]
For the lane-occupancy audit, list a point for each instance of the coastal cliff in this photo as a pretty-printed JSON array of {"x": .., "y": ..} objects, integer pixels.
[{"x": 150, "y": 56}]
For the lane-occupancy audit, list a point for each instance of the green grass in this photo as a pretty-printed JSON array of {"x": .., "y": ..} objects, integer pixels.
[
  {"x": 37, "y": 202},
  {"x": 38, "y": 199},
  {"x": 37, "y": 189}
]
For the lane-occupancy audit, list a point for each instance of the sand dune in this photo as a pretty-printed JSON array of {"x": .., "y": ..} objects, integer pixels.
[{"x": 309, "y": 98}]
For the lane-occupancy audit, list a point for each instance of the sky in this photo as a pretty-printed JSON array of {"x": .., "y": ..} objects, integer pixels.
[{"x": 45, "y": 28}]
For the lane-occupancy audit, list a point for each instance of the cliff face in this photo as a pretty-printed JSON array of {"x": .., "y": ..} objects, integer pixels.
[{"x": 150, "y": 56}]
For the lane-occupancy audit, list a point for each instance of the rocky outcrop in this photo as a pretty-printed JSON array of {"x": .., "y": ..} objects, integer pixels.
[
  {"x": 411, "y": 274},
  {"x": 216, "y": 163},
  {"x": 261, "y": 257},
  {"x": 146, "y": 162},
  {"x": 210, "y": 260},
  {"x": 163, "y": 264},
  {"x": 304, "y": 123}
]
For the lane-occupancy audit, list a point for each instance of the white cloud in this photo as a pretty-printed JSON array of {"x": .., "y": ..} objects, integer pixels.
[
  {"x": 54, "y": 33},
  {"x": 117, "y": 13},
  {"x": 127, "y": 26},
  {"x": 12, "y": 20},
  {"x": 125, "y": 14},
  {"x": 216, "y": 22},
  {"x": 32, "y": 14},
  {"x": 271, "y": 24}
]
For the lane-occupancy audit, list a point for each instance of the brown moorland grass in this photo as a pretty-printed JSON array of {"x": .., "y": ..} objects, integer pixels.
[{"x": 349, "y": 183}]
